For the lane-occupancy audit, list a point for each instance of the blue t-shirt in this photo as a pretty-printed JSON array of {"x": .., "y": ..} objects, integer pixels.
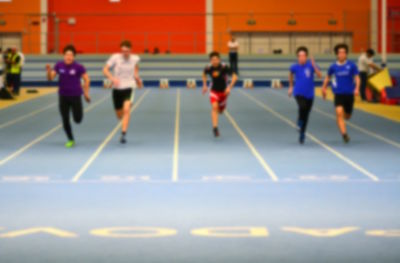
[
  {"x": 304, "y": 79},
  {"x": 343, "y": 77},
  {"x": 69, "y": 78}
]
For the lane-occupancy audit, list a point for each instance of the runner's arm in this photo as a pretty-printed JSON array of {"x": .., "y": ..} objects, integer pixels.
[
  {"x": 137, "y": 77},
  {"x": 86, "y": 86},
  {"x": 51, "y": 73}
]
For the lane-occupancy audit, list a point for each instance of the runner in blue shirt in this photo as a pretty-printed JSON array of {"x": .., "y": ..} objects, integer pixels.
[
  {"x": 345, "y": 86},
  {"x": 303, "y": 73}
]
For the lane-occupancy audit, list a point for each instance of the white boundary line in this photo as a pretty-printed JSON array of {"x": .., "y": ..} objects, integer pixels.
[
  {"x": 252, "y": 148},
  {"x": 99, "y": 149},
  {"x": 355, "y": 126},
  {"x": 175, "y": 164},
  {"x": 23, "y": 117},
  {"x": 315, "y": 139},
  {"x": 43, "y": 136}
]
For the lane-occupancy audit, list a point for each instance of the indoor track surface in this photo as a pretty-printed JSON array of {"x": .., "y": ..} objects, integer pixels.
[{"x": 174, "y": 193}]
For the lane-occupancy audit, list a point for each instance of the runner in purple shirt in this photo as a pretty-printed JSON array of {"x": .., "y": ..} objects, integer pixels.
[{"x": 70, "y": 90}]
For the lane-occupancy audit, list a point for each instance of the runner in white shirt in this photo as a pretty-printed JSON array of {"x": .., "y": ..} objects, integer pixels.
[
  {"x": 233, "y": 46},
  {"x": 125, "y": 79},
  {"x": 365, "y": 66}
]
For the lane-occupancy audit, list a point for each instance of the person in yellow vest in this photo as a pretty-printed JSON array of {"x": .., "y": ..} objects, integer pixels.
[
  {"x": 14, "y": 79},
  {"x": 1, "y": 68},
  {"x": 7, "y": 69}
]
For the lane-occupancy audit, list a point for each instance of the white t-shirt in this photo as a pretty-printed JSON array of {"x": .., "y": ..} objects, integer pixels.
[
  {"x": 363, "y": 62},
  {"x": 22, "y": 58},
  {"x": 233, "y": 45},
  {"x": 124, "y": 70}
]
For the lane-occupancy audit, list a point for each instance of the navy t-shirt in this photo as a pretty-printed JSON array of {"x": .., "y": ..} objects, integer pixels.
[
  {"x": 304, "y": 79},
  {"x": 219, "y": 76},
  {"x": 343, "y": 77}
]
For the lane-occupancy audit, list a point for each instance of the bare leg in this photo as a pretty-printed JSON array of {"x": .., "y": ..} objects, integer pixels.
[
  {"x": 126, "y": 115},
  {"x": 119, "y": 114},
  {"x": 214, "y": 114},
  {"x": 340, "y": 120}
]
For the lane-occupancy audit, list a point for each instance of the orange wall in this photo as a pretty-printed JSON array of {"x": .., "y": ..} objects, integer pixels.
[
  {"x": 393, "y": 42},
  {"x": 351, "y": 15},
  {"x": 96, "y": 31},
  {"x": 16, "y": 15},
  {"x": 101, "y": 25}
]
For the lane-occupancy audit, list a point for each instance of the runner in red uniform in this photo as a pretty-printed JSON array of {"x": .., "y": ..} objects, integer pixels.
[{"x": 220, "y": 90}]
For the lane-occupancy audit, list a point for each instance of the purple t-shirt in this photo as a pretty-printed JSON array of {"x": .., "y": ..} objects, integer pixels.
[{"x": 69, "y": 78}]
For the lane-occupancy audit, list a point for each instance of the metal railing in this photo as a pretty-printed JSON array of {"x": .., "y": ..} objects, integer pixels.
[
  {"x": 196, "y": 42},
  {"x": 339, "y": 29}
]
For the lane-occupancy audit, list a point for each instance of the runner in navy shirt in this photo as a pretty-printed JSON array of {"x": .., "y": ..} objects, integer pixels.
[
  {"x": 303, "y": 73},
  {"x": 220, "y": 89},
  {"x": 70, "y": 89},
  {"x": 345, "y": 81}
]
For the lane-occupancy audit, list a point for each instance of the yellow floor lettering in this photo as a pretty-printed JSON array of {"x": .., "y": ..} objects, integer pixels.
[
  {"x": 47, "y": 230},
  {"x": 384, "y": 233},
  {"x": 321, "y": 232},
  {"x": 133, "y": 232},
  {"x": 231, "y": 232}
]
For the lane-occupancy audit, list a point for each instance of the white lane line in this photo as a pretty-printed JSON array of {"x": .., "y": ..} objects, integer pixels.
[
  {"x": 43, "y": 136},
  {"x": 99, "y": 149},
  {"x": 315, "y": 139},
  {"x": 175, "y": 164},
  {"x": 252, "y": 148},
  {"x": 204, "y": 182},
  {"x": 226, "y": 178},
  {"x": 361, "y": 129},
  {"x": 125, "y": 178},
  {"x": 355, "y": 126},
  {"x": 25, "y": 116},
  {"x": 28, "y": 100},
  {"x": 25, "y": 178}
]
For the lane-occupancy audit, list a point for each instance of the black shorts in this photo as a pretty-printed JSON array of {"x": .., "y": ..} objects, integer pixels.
[
  {"x": 9, "y": 79},
  {"x": 13, "y": 80},
  {"x": 120, "y": 96},
  {"x": 346, "y": 101}
]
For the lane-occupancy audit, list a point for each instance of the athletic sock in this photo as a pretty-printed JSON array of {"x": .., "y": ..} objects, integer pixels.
[
  {"x": 302, "y": 137},
  {"x": 346, "y": 138},
  {"x": 216, "y": 132},
  {"x": 299, "y": 125},
  {"x": 123, "y": 139}
]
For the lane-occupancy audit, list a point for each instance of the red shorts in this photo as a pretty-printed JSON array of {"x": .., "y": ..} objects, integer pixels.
[{"x": 219, "y": 97}]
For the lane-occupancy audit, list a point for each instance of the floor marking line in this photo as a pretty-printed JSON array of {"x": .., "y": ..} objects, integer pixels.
[
  {"x": 30, "y": 99},
  {"x": 99, "y": 149},
  {"x": 44, "y": 136},
  {"x": 175, "y": 165},
  {"x": 315, "y": 139},
  {"x": 366, "y": 181},
  {"x": 361, "y": 129},
  {"x": 355, "y": 126},
  {"x": 252, "y": 148},
  {"x": 25, "y": 116}
]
